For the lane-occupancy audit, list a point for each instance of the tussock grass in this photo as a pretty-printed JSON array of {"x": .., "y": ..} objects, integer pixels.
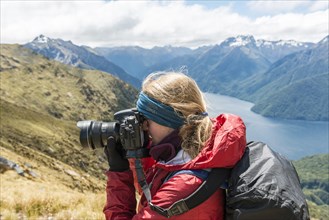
[
  {"x": 45, "y": 197},
  {"x": 38, "y": 201}
]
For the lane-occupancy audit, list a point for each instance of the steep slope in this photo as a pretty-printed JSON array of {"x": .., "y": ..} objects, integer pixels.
[
  {"x": 68, "y": 53},
  {"x": 235, "y": 67},
  {"x": 295, "y": 87},
  {"x": 305, "y": 99},
  {"x": 41, "y": 101}
]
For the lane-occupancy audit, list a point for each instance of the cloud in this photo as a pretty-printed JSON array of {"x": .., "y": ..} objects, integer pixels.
[
  {"x": 151, "y": 23},
  {"x": 293, "y": 26}
]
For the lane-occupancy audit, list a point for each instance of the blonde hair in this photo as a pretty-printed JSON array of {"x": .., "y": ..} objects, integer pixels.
[{"x": 183, "y": 94}]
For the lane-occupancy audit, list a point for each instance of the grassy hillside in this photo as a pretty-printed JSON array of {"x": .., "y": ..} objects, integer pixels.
[
  {"x": 314, "y": 176},
  {"x": 314, "y": 172},
  {"x": 62, "y": 91},
  {"x": 41, "y": 101}
]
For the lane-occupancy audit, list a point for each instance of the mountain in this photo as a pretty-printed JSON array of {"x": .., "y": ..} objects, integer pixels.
[
  {"x": 221, "y": 68},
  {"x": 294, "y": 87},
  {"x": 271, "y": 74},
  {"x": 271, "y": 50},
  {"x": 68, "y": 53},
  {"x": 135, "y": 60},
  {"x": 275, "y": 50},
  {"x": 218, "y": 68},
  {"x": 224, "y": 66}
]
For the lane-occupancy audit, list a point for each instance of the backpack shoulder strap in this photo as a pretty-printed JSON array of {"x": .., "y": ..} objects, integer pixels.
[
  {"x": 202, "y": 174},
  {"x": 215, "y": 179}
]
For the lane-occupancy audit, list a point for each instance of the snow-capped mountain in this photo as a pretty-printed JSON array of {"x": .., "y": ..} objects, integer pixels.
[
  {"x": 68, "y": 53},
  {"x": 275, "y": 50},
  {"x": 272, "y": 50},
  {"x": 238, "y": 41},
  {"x": 41, "y": 39}
]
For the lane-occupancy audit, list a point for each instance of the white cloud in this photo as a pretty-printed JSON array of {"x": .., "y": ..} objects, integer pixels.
[
  {"x": 150, "y": 23},
  {"x": 293, "y": 26}
]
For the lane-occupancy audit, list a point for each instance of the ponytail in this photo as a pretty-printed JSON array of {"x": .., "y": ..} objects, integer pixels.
[{"x": 195, "y": 133}]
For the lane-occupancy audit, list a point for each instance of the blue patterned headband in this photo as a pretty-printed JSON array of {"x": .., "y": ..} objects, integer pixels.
[{"x": 158, "y": 112}]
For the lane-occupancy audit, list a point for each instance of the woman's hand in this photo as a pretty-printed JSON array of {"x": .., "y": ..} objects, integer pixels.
[{"x": 115, "y": 156}]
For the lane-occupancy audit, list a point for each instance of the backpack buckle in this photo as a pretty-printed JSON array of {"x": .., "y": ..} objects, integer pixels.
[{"x": 177, "y": 208}]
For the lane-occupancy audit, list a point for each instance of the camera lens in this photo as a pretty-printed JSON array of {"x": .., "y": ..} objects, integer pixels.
[
  {"x": 94, "y": 134},
  {"x": 85, "y": 130}
]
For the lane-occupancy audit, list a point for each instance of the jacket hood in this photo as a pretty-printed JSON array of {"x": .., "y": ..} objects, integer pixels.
[{"x": 224, "y": 148}]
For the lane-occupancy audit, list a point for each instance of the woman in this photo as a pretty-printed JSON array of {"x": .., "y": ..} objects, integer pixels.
[{"x": 183, "y": 137}]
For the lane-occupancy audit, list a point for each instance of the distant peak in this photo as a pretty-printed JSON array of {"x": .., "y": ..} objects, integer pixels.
[
  {"x": 289, "y": 42},
  {"x": 284, "y": 43},
  {"x": 240, "y": 40},
  {"x": 41, "y": 39}
]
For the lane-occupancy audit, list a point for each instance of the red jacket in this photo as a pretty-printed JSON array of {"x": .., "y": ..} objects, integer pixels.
[{"x": 223, "y": 149}]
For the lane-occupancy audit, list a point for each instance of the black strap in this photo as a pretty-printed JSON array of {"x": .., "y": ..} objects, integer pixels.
[
  {"x": 216, "y": 178},
  {"x": 141, "y": 179}
]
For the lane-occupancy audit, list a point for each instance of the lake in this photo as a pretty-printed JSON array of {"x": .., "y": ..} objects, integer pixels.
[{"x": 292, "y": 138}]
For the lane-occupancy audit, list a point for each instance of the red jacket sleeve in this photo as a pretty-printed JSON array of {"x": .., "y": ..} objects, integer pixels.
[{"x": 120, "y": 191}]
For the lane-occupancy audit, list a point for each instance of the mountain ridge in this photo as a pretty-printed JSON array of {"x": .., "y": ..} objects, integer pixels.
[
  {"x": 68, "y": 53},
  {"x": 241, "y": 66}
]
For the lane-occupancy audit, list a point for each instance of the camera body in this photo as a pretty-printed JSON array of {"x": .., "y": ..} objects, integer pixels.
[{"x": 127, "y": 131}]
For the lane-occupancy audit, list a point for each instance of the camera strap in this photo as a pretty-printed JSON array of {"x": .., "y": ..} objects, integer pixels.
[{"x": 141, "y": 179}]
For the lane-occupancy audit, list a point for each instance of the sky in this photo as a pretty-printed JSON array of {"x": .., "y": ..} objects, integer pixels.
[{"x": 100, "y": 23}]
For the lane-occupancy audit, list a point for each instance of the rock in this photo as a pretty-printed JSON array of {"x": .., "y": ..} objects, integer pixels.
[
  {"x": 6, "y": 164},
  {"x": 72, "y": 173}
]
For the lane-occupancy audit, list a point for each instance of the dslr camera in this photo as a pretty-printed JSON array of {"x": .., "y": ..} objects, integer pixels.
[{"x": 127, "y": 131}]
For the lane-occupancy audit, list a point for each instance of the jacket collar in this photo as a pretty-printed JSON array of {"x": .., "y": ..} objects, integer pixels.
[{"x": 167, "y": 148}]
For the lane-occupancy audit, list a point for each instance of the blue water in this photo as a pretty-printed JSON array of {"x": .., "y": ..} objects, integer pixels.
[{"x": 292, "y": 138}]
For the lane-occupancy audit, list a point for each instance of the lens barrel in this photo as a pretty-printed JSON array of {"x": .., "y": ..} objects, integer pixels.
[
  {"x": 94, "y": 134},
  {"x": 85, "y": 137}
]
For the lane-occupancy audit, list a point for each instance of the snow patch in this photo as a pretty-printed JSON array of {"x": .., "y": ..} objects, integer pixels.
[{"x": 41, "y": 39}]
